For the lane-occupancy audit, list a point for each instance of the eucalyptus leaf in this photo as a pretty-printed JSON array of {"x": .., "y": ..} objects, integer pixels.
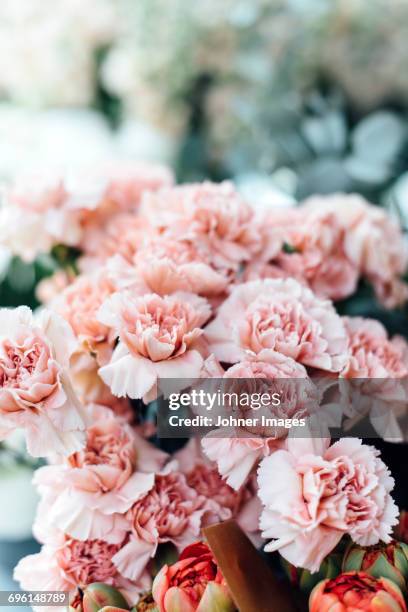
[{"x": 379, "y": 137}]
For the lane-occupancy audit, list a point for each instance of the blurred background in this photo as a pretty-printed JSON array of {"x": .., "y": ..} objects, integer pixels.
[{"x": 286, "y": 97}]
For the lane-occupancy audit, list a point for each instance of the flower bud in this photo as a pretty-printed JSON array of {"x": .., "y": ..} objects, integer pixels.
[
  {"x": 194, "y": 583},
  {"x": 381, "y": 561},
  {"x": 353, "y": 591},
  {"x": 99, "y": 595},
  {"x": 401, "y": 530}
]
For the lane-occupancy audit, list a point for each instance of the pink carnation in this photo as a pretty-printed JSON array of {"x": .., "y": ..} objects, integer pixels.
[
  {"x": 79, "y": 304},
  {"x": 122, "y": 234},
  {"x": 66, "y": 564},
  {"x": 314, "y": 493},
  {"x": 377, "y": 373},
  {"x": 87, "y": 495},
  {"x": 317, "y": 258},
  {"x": 170, "y": 512},
  {"x": 373, "y": 242},
  {"x": 278, "y": 315},
  {"x": 212, "y": 216},
  {"x": 372, "y": 353},
  {"x": 158, "y": 338},
  {"x": 43, "y": 210},
  {"x": 165, "y": 265},
  {"x": 223, "y": 501},
  {"x": 35, "y": 389}
]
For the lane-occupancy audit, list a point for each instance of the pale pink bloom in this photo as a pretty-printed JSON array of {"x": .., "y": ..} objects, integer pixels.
[
  {"x": 373, "y": 242},
  {"x": 212, "y": 216},
  {"x": 46, "y": 209},
  {"x": 223, "y": 501},
  {"x": 35, "y": 389},
  {"x": 34, "y": 217},
  {"x": 128, "y": 180},
  {"x": 51, "y": 286},
  {"x": 279, "y": 315},
  {"x": 317, "y": 256},
  {"x": 87, "y": 495},
  {"x": 314, "y": 493},
  {"x": 377, "y": 373},
  {"x": 166, "y": 265},
  {"x": 79, "y": 304},
  {"x": 234, "y": 450},
  {"x": 158, "y": 338},
  {"x": 236, "y": 457},
  {"x": 372, "y": 353},
  {"x": 66, "y": 564},
  {"x": 170, "y": 512},
  {"x": 121, "y": 234}
]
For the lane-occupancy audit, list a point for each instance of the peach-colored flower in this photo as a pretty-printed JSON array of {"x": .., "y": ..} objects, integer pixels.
[
  {"x": 376, "y": 375},
  {"x": 51, "y": 286},
  {"x": 35, "y": 389},
  {"x": 314, "y": 493},
  {"x": 316, "y": 257},
  {"x": 212, "y": 216},
  {"x": 79, "y": 304},
  {"x": 372, "y": 353},
  {"x": 66, "y": 564},
  {"x": 373, "y": 242},
  {"x": 43, "y": 210},
  {"x": 223, "y": 501},
  {"x": 193, "y": 584},
  {"x": 122, "y": 234},
  {"x": 87, "y": 495},
  {"x": 34, "y": 217},
  {"x": 279, "y": 315},
  {"x": 170, "y": 512},
  {"x": 166, "y": 265},
  {"x": 158, "y": 337},
  {"x": 353, "y": 591}
]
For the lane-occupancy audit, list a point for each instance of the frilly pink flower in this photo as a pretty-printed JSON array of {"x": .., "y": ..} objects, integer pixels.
[
  {"x": 377, "y": 375},
  {"x": 170, "y": 512},
  {"x": 212, "y": 216},
  {"x": 87, "y": 495},
  {"x": 43, "y": 210},
  {"x": 279, "y": 315},
  {"x": 165, "y": 265},
  {"x": 66, "y": 564},
  {"x": 316, "y": 258},
  {"x": 158, "y": 338},
  {"x": 121, "y": 234},
  {"x": 314, "y": 493},
  {"x": 223, "y": 501},
  {"x": 79, "y": 304},
  {"x": 372, "y": 353},
  {"x": 35, "y": 389},
  {"x": 373, "y": 242}
]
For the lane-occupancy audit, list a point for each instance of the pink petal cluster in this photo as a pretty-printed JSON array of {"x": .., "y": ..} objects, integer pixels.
[
  {"x": 44, "y": 210},
  {"x": 165, "y": 265},
  {"x": 279, "y": 315},
  {"x": 373, "y": 242},
  {"x": 171, "y": 511},
  {"x": 35, "y": 388},
  {"x": 64, "y": 564},
  {"x": 79, "y": 304},
  {"x": 314, "y": 493},
  {"x": 158, "y": 338},
  {"x": 212, "y": 216},
  {"x": 312, "y": 251},
  {"x": 87, "y": 495},
  {"x": 223, "y": 501}
]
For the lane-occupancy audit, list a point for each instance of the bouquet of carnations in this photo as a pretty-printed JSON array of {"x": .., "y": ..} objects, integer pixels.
[{"x": 174, "y": 282}]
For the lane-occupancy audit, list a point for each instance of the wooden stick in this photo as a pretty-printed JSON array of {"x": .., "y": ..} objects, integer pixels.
[{"x": 253, "y": 585}]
